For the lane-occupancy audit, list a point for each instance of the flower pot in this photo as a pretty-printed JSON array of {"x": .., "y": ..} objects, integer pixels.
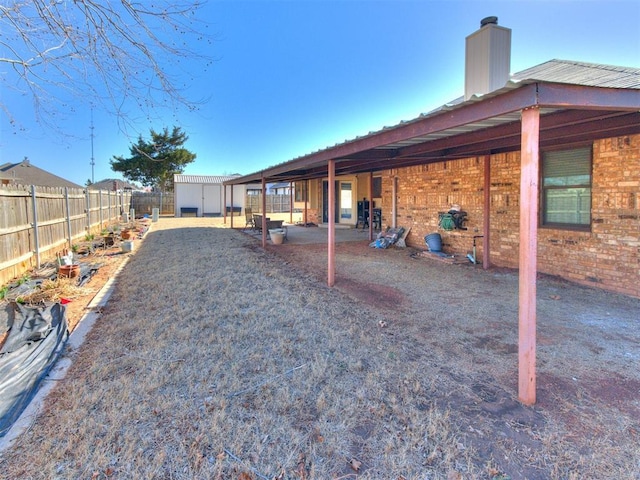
[
  {"x": 69, "y": 271},
  {"x": 125, "y": 234},
  {"x": 277, "y": 236},
  {"x": 108, "y": 240}
]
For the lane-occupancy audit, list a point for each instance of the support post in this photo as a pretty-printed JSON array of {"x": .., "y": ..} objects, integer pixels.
[
  {"x": 528, "y": 255},
  {"x": 36, "y": 234},
  {"x": 224, "y": 205},
  {"x": 101, "y": 216},
  {"x": 87, "y": 197},
  {"x": 306, "y": 201},
  {"x": 225, "y": 202},
  {"x": 68, "y": 214},
  {"x": 394, "y": 201},
  {"x": 291, "y": 194},
  {"x": 264, "y": 212},
  {"x": 486, "y": 230},
  {"x": 370, "y": 188},
  {"x": 331, "y": 237}
]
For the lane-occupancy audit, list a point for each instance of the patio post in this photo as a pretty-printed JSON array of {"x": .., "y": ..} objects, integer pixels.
[
  {"x": 306, "y": 194},
  {"x": 370, "y": 206},
  {"x": 264, "y": 212},
  {"x": 529, "y": 162},
  {"x": 225, "y": 205},
  {"x": 291, "y": 194},
  {"x": 394, "y": 201},
  {"x": 331, "y": 237},
  {"x": 486, "y": 231}
]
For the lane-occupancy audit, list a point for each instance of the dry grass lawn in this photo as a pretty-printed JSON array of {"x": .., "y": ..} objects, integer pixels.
[{"x": 215, "y": 359}]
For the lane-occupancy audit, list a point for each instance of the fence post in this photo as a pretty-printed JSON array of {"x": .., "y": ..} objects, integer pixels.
[
  {"x": 111, "y": 215},
  {"x": 88, "y": 202},
  {"x": 100, "y": 207},
  {"x": 35, "y": 224},
  {"x": 66, "y": 201}
]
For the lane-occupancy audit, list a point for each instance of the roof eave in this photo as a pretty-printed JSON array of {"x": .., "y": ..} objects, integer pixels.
[{"x": 514, "y": 97}]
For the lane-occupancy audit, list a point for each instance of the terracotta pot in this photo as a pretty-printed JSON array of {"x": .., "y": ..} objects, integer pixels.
[
  {"x": 125, "y": 234},
  {"x": 69, "y": 271}
]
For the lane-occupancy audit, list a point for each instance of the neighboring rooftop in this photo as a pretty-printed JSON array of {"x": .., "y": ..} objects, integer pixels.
[
  {"x": 113, "y": 184},
  {"x": 25, "y": 173},
  {"x": 217, "y": 179}
]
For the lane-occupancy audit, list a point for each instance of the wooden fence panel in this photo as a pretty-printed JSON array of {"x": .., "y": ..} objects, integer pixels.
[
  {"x": 274, "y": 203},
  {"x": 144, "y": 202},
  {"x": 37, "y": 222}
]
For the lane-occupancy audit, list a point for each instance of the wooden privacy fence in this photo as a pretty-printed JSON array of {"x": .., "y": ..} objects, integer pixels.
[
  {"x": 275, "y": 203},
  {"x": 37, "y": 222},
  {"x": 145, "y": 202}
]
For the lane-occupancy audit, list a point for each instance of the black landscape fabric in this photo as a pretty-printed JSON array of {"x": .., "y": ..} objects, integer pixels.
[{"x": 36, "y": 337}]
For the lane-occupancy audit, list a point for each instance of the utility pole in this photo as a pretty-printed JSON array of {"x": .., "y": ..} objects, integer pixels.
[{"x": 93, "y": 162}]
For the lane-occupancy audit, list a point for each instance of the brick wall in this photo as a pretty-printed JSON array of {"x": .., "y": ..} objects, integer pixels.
[{"x": 608, "y": 256}]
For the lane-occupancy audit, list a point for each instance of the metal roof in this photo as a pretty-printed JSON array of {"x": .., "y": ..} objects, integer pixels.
[
  {"x": 581, "y": 73},
  {"x": 581, "y": 103},
  {"x": 217, "y": 179}
]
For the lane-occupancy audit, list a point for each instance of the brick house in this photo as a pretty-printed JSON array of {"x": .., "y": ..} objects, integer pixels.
[
  {"x": 546, "y": 165},
  {"x": 468, "y": 153}
]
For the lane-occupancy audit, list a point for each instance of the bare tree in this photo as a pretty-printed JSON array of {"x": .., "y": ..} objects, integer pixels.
[{"x": 125, "y": 56}]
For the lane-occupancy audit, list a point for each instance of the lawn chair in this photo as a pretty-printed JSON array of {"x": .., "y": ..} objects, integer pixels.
[
  {"x": 257, "y": 223},
  {"x": 248, "y": 215}
]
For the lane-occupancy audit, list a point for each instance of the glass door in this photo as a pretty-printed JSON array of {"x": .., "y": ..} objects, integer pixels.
[{"x": 343, "y": 209}]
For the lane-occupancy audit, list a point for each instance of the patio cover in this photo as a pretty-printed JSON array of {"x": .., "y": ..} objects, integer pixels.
[{"x": 525, "y": 115}]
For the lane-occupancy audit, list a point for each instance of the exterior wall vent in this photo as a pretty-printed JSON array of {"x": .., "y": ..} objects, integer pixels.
[{"x": 487, "y": 58}]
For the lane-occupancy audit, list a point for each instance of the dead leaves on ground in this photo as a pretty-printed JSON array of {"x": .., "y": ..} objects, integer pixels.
[{"x": 355, "y": 464}]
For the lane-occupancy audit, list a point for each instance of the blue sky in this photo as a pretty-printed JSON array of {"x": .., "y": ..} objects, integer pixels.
[{"x": 293, "y": 77}]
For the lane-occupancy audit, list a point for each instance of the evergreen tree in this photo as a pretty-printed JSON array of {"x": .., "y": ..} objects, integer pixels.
[{"x": 154, "y": 162}]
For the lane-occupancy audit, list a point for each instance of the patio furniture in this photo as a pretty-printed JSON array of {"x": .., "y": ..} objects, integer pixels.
[
  {"x": 188, "y": 211},
  {"x": 257, "y": 223},
  {"x": 248, "y": 219}
]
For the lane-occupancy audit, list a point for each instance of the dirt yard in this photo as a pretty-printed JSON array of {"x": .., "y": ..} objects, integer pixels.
[{"x": 215, "y": 359}]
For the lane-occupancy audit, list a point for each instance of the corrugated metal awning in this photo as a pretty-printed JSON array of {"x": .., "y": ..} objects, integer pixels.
[{"x": 482, "y": 125}]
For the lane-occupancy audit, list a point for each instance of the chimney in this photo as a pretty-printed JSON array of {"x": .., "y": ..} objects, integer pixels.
[{"x": 487, "y": 58}]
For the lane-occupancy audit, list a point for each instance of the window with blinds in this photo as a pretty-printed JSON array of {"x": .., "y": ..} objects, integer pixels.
[{"x": 566, "y": 187}]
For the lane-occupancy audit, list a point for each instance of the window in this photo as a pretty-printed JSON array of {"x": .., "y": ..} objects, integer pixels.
[
  {"x": 377, "y": 187},
  {"x": 300, "y": 189},
  {"x": 566, "y": 188}
]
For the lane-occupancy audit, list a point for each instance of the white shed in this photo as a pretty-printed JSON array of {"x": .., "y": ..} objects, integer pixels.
[{"x": 203, "y": 195}]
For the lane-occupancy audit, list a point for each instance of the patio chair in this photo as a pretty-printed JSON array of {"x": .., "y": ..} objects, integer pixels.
[
  {"x": 257, "y": 223},
  {"x": 248, "y": 216}
]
